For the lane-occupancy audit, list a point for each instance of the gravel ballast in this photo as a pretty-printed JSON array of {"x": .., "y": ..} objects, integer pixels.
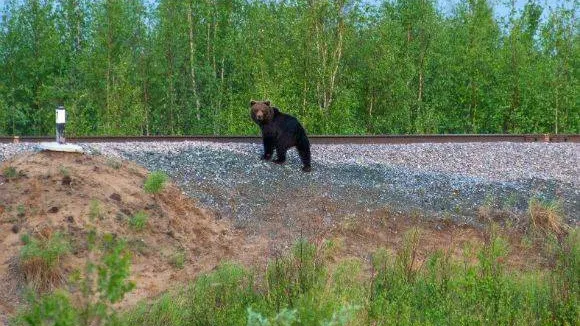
[{"x": 448, "y": 180}]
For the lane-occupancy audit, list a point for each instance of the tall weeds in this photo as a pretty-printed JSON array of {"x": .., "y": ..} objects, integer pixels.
[
  {"x": 483, "y": 293},
  {"x": 404, "y": 288}
]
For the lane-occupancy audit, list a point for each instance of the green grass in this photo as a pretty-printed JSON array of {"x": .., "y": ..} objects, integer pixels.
[
  {"x": 99, "y": 286},
  {"x": 95, "y": 210},
  {"x": 303, "y": 288},
  {"x": 10, "y": 173},
  {"x": 64, "y": 171},
  {"x": 51, "y": 309},
  {"x": 177, "y": 260},
  {"x": 155, "y": 182},
  {"x": 20, "y": 210},
  {"x": 114, "y": 163},
  {"x": 138, "y": 222}
]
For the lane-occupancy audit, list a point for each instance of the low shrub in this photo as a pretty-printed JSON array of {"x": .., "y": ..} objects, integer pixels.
[{"x": 51, "y": 309}]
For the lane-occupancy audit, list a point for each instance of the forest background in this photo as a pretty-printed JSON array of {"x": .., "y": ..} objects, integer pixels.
[{"x": 178, "y": 67}]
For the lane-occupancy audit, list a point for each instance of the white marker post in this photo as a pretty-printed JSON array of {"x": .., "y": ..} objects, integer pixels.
[
  {"x": 60, "y": 122},
  {"x": 60, "y": 144}
]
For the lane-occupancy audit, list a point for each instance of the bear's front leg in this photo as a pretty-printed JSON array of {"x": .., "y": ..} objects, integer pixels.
[
  {"x": 268, "y": 148},
  {"x": 280, "y": 155},
  {"x": 304, "y": 152}
]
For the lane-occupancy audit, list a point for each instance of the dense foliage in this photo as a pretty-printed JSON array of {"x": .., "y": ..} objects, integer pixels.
[{"x": 341, "y": 66}]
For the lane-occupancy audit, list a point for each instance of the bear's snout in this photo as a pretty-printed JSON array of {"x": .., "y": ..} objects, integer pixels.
[{"x": 260, "y": 115}]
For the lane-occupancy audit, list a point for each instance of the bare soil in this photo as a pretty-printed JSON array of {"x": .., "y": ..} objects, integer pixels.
[{"x": 55, "y": 192}]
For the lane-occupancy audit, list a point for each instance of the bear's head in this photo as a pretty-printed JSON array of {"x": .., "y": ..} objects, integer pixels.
[{"x": 261, "y": 111}]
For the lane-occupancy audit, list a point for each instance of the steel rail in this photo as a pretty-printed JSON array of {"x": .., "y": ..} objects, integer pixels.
[{"x": 316, "y": 139}]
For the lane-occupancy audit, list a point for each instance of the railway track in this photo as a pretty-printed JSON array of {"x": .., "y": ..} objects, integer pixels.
[{"x": 315, "y": 139}]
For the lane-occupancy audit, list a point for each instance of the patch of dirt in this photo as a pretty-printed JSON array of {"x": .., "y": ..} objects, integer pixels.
[
  {"x": 71, "y": 192},
  {"x": 360, "y": 235}
]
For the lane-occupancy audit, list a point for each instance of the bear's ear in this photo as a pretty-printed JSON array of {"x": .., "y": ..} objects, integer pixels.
[
  {"x": 252, "y": 102},
  {"x": 267, "y": 103}
]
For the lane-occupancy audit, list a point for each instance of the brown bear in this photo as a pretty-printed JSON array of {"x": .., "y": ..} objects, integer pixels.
[{"x": 280, "y": 131}]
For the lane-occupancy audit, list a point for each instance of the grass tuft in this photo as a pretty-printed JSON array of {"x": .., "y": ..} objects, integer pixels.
[
  {"x": 547, "y": 217},
  {"x": 155, "y": 182},
  {"x": 178, "y": 260},
  {"x": 10, "y": 173},
  {"x": 95, "y": 210},
  {"x": 139, "y": 221},
  {"x": 114, "y": 163},
  {"x": 40, "y": 260},
  {"x": 290, "y": 276},
  {"x": 64, "y": 171}
]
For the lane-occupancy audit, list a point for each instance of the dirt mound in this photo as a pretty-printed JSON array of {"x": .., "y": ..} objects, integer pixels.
[{"x": 51, "y": 192}]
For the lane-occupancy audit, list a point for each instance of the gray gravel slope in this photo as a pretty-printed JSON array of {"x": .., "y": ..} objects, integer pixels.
[{"x": 438, "y": 180}]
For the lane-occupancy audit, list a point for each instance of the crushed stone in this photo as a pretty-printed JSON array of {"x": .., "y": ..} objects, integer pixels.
[{"x": 447, "y": 180}]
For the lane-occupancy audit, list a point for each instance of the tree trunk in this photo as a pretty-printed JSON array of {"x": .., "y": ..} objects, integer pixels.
[
  {"x": 217, "y": 108},
  {"x": 473, "y": 106},
  {"x": 515, "y": 100},
  {"x": 170, "y": 89},
  {"x": 191, "y": 62},
  {"x": 146, "y": 105},
  {"x": 556, "y": 109},
  {"x": 370, "y": 125},
  {"x": 337, "y": 58},
  {"x": 108, "y": 109}
]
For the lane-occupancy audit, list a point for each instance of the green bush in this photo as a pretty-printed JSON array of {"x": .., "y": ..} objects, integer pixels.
[
  {"x": 103, "y": 283},
  {"x": 155, "y": 182},
  {"x": 169, "y": 309},
  {"x": 114, "y": 271},
  {"x": 51, "y": 309},
  {"x": 300, "y": 288},
  {"x": 284, "y": 317},
  {"x": 565, "y": 281}
]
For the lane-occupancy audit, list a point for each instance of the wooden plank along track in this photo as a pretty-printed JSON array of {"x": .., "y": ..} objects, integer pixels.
[{"x": 315, "y": 139}]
